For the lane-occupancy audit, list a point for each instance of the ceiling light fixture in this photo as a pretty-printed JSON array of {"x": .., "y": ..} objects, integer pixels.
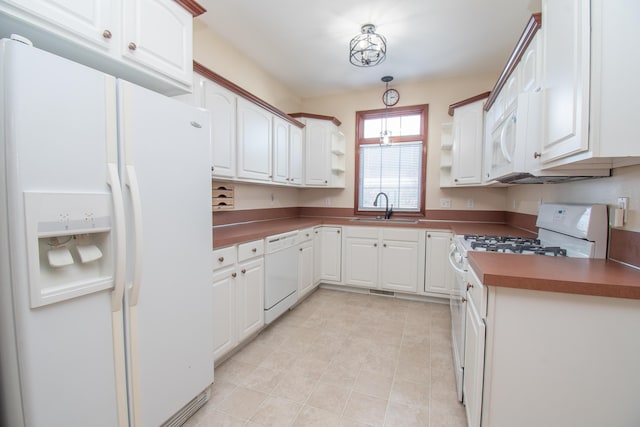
[
  {"x": 385, "y": 135},
  {"x": 368, "y": 48}
]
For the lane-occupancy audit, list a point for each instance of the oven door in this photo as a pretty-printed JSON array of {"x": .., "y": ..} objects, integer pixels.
[{"x": 458, "y": 264}]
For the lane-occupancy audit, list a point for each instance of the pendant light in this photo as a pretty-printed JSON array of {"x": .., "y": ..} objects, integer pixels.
[{"x": 385, "y": 134}]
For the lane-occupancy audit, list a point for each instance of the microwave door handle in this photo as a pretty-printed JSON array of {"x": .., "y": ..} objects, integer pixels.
[{"x": 511, "y": 121}]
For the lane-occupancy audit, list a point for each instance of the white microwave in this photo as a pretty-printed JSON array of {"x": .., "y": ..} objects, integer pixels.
[{"x": 512, "y": 143}]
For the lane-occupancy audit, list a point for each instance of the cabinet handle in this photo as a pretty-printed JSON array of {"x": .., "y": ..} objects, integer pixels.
[
  {"x": 254, "y": 250},
  {"x": 106, "y": 34},
  {"x": 132, "y": 46},
  {"x": 234, "y": 274},
  {"x": 464, "y": 299},
  {"x": 536, "y": 155},
  {"x": 243, "y": 271},
  {"x": 212, "y": 168},
  {"x": 221, "y": 259},
  {"x": 469, "y": 286}
]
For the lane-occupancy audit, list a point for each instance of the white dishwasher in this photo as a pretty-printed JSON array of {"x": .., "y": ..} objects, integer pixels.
[{"x": 281, "y": 274}]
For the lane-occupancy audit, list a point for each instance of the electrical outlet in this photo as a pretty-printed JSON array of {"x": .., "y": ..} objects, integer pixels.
[
  {"x": 470, "y": 203},
  {"x": 445, "y": 203},
  {"x": 623, "y": 203},
  {"x": 327, "y": 201}
]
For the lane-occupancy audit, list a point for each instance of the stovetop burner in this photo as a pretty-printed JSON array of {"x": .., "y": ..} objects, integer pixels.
[{"x": 511, "y": 244}]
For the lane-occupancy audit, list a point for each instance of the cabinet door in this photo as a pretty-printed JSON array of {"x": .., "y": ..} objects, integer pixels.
[
  {"x": 224, "y": 337},
  {"x": 158, "y": 35},
  {"x": 361, "y": 262},
  {"x": 565, "y": 78},
  {"x": 318, "y": 141},
  {"x": 472, "y": 382},
  {"x": 330, "y": 254},
  {"x": 250, "y": 297},
  {"x": 305, "y": 268},
  {"x": 399, "y": 266},
  {"x": 280, "y": 150},
  {"x": 437, "y": 272},
  {"x": 466, "y": 152},
  {"x": 530, "y": 66},
  {"x": 254, "y": 141},
  {"x": 91, "y": 20},
  {"x": 222, "y": 105},
  {"x": 296, "y": 154}
]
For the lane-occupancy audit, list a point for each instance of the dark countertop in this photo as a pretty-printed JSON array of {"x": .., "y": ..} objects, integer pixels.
[
  {"x": 597, "y": 277},
  {"x": 226, "y": 235}
]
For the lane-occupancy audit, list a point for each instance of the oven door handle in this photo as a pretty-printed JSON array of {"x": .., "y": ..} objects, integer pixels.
[{"x": 453, "y": 263}]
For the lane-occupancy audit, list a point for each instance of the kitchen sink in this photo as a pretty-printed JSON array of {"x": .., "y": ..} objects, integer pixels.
[{"x": 384, "y": 221}]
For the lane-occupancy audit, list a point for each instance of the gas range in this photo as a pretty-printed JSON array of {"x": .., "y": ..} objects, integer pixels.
[{"x": 511, "y": 244}]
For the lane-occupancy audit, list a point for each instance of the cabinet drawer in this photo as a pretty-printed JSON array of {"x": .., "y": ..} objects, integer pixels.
[
  {"x": 362, "y": 232},
  {"x": 403, "y": 235},
  {"x": 224, "y": 257},
  {"x": 250, "y": 250},
  {"x": 305, "y": 234}
]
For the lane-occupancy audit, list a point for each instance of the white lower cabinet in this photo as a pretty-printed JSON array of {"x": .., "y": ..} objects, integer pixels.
[
  {"x": 238, "y": 288},
  {"x": 305, "y": 263},
  {"x": 384, "y": 258},
  {"x": 437, "y": 273},
  {"x": 327, "y": 263},
  {"x": 474, "y": 344}
]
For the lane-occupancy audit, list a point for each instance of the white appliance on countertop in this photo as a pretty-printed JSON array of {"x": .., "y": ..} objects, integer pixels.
[
  {"x": 281, "y": 274},
  {"x": 572, "y": 230},
  {"x": 105, "y": 296}
]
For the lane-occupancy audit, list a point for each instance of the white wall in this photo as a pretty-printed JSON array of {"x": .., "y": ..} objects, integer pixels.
[{"x": 625, "y": 182}]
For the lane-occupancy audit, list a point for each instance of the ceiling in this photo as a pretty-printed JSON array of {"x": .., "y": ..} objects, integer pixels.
[{"x": 305, "y": 44}]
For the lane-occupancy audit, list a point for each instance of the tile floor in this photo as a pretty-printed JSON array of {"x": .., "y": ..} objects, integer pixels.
[{"x": 341, "y": 359}]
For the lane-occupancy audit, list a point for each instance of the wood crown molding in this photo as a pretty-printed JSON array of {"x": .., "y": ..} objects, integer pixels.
[
  {"x": 534, "y": 24},
  {"x": 192, "y": 6},
  {"x": 316, "y": 116},
  {"x": 228, "y": 84},
  {"x": 467, "y": 101}
]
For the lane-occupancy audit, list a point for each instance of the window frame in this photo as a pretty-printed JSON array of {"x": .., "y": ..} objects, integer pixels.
[{"x": 361, "y": 116}]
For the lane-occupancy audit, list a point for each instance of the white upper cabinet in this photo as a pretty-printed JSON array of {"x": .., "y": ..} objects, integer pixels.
[
  {"x": 158, "y": 34},
  {"x": 591, "y": 94},
  {"x": 324, "y": 147},
  {"x": 254, "y": 141},
  {"x": 287, "y": 152},
  {"x": 296, "y": 155},
  {"x": 148, "y": 42},
  {"x": 466, "y": 151},
  {"x": 222, "y": 105},
  {"x": 565, "y": 78}
]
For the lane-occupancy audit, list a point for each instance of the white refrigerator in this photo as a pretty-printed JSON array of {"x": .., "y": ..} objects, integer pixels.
[{"x": 105, "y": 242}]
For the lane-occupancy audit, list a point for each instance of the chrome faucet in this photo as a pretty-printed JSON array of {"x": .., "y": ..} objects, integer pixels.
[{"x": 387, "y": 211}]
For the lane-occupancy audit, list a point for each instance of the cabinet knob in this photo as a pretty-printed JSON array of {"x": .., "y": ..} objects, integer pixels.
[
  {"x": 326, "y": 182},
  {"x": 428, "y": 235},
  {"x": 243, "y": 271},
  {"x": 132, "y": 46},
  {"x": 106, "y": 34},
  {"x": 211, "y": 168},
  {"x": 221, "y": 259},
  {"x": 316, "y": 232},
  {"x": 300, "y": 249},
  {"x": 469, "y": 286},
  {"x": 307, "y": 234},
  {"x": 338, "y": 231},
  {"x": 464, "y": 299},
  {"x": 375, "y": 245},
  {"x": 536, "y": 155},
  {"x": 455, "y": 180},
  {"x": 384, "y": 245},
  {"x": 254, "y": 250},
  {"x": 234, "y": 274}
]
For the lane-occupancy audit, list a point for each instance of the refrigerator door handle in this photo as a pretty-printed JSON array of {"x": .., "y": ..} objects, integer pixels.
[
  {"x": 132, "y": 183},
  {"x": 113, "y": 181}
]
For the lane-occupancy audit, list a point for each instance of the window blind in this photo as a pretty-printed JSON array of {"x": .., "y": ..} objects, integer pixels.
[{"x": 395, "y": 170}]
